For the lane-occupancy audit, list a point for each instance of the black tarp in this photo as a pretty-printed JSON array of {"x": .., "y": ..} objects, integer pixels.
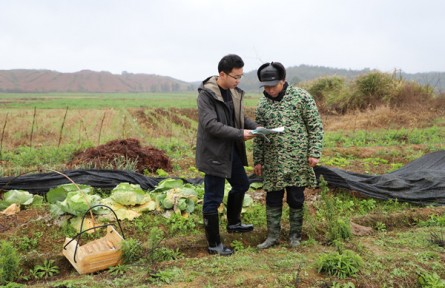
[
  {"x": 40, "y": 183},
  {"x": 421, "y": 181}
]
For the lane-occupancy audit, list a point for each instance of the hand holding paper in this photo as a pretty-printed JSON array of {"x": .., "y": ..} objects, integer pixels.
[{"x": 264, "y": 131}]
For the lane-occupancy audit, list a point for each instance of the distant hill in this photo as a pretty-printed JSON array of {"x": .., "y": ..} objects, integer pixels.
[
  {"x": 87, "y": 81},
  {"x": 44, "y": 81}
]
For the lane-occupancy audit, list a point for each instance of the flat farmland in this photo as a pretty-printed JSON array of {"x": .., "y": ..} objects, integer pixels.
[
  {"x": 402, "y": 247},
  {"x": 67, "y": 122}
]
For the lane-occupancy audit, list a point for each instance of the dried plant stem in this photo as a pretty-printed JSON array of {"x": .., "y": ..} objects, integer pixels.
[
  {"x": 61, "y": 128},
  {"x": 3, "y": 134},
  {"x": 82, "y": 126},
  {"x": 124, "y": 125},
  {"x": 32, "y": 127},
  {"x": 100, "y": 128}
]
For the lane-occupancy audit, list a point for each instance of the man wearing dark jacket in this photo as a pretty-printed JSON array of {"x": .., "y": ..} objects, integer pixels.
[{"x": 221, "y": 151}]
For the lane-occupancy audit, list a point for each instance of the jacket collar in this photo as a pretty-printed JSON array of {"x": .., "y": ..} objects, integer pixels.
[
  {"x": 280, "y": 96},
  {"x": 210, "y": 85}
]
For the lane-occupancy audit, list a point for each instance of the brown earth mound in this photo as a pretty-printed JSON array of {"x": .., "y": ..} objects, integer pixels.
[{"x": 114, "y": 152}]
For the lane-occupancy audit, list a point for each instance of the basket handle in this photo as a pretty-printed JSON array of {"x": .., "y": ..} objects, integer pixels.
[{"x": 95, "y": 227}]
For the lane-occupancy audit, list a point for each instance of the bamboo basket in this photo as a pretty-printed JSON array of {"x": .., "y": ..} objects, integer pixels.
[{"x": 98, "y": 254}]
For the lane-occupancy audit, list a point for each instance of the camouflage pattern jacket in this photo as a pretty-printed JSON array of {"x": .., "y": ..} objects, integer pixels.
[{"x": 285, "y": 157}]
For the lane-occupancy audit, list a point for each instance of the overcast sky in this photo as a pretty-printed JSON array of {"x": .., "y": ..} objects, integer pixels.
[{"x": 186, "y": 39}]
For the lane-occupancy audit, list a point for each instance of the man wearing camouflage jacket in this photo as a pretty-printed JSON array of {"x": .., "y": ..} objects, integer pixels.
[{"x": 286, "y": 160}]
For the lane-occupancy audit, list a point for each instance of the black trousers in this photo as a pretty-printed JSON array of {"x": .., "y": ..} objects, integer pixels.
[
  {"x": 214, "y": 185},
  {"x": 294, "y": 197}
]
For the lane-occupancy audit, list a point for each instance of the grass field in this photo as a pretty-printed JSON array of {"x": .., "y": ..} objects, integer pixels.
[
  {"x": 104, "y": 101},
  {"x": 402, "y": 249}
]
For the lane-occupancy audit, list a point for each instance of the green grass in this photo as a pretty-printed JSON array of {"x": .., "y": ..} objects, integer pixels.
[
  {"x": 385, "y": 137},
  {"x": 105, "y": 100}
]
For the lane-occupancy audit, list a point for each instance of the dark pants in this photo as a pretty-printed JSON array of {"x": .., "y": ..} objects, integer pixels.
[
  {"x": 214, "y": 185},
  {"x": 295, "y": 197}
]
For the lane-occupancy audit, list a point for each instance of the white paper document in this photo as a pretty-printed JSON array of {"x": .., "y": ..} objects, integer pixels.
[{"x": 264, "y": 131}]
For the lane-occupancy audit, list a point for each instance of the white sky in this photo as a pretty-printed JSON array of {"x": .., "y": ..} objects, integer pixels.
[{"x": 186, "y": 39}]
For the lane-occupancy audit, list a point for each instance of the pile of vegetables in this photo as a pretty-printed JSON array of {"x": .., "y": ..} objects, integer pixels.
[{"x": 127, "y": 200}]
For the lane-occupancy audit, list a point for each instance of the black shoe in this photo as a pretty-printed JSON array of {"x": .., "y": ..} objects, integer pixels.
[
  {"x": 220, "y": 250},
  {"x": 239, "y": 228}
]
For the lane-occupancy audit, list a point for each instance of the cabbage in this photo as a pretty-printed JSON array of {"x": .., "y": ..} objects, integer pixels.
[
  {"x": 168, "y": 203},
  {"x": 3, "y": 205},
  {"x": 59, "y": 193},
  {"x": 129, "y": 194},
  {"x": 167, "y": 184},
  {"x": 77, "y": 203},
  {"x": 127, "y": 214},
  {"x": 37, "y": 200},
  {"x": 88, "y": 223},
  {"x": 149, "y": 206},
  {"x": 189, "y": 193},
  {"x": 190, "y": 206},
  {"x": 248, "y": 201},
  {"x": 18, "y": 197},
  {"x": 159, "y": 197},
  {"x": 177, "y": 198},
  {"x": 112, "y": 204},
  {"x": 182, "y": 204}
]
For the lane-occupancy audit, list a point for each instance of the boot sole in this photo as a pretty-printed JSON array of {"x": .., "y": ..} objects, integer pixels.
[
  {"x": 212, "y": 252},
  {"x": 262, "y": 248},
  {"x": 274, "y": 244},
  {"x": 239, "y": 231}
]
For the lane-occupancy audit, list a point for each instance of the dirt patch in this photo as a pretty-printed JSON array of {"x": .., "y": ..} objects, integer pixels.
[
  {"x": 10, "y": 223},
  {"x": 116, "y": 151},
  {"x": 407, "y": 218},
  {"x": 384, "y": 117}
]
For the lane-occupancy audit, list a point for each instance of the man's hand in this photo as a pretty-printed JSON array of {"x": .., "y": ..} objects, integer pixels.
[
  {"x": 258, "y": 169},
  {"x": 312, "y": 161},
  {"x": 248, "y": 135}
]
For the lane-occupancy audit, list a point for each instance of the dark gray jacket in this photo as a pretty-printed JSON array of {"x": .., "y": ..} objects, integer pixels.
[{"x": 216, "y": 136}]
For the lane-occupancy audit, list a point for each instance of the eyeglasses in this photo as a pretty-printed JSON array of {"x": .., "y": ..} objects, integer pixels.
[{"x": 238, "y": 77}]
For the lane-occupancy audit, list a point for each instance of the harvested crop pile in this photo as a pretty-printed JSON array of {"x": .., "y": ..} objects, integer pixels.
[{"x": 114, "y": 152}]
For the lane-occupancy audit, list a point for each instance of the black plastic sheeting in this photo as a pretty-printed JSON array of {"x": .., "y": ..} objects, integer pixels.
[
  {"x": 421, "y": 181},
  {"x": 106, "y": 179}
]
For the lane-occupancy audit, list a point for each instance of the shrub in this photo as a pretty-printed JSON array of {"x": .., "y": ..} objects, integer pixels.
[
  {"x": 431, "y": 280},
  {"x": 326, "y": 91},
  {"x": 411, "y": 94},
  {"x": 118, "y": 270},
  {"x": 341, "y": 265},
  {"x": 166, "y": 276},
  {"x": 338, "y": 228},
  {"x": 372, "y": 89},
  {"x": 9, "y": 262},
  {"x": 131, "y": 250},
  {"x": 157, "y": 253},
  {"x": 46, "y": 270}
]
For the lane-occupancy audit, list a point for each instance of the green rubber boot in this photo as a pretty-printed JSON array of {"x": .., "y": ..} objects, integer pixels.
[
  {"x": 296, "y": 225},
  {"x": 273, "y": 215}
]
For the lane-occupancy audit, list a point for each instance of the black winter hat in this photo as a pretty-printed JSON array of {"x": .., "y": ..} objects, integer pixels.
[{"x": 270, "y": 74}]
